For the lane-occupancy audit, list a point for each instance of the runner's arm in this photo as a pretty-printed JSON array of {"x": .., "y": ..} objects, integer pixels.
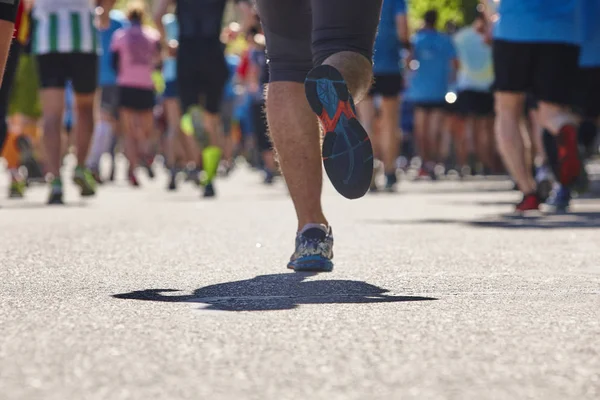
[{"x": 8, "y": 13}]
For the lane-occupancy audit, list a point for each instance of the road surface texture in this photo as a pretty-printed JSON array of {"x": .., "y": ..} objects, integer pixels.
[{"x": 438, "y": 293}]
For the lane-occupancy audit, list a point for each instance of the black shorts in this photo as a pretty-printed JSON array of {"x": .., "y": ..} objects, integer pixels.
[
  {"x": 587, "y": 93},
  {"x": 430, "y": 105},
  {"x": 56, "y": 69},
  {"x": 136, "y": 99},
  {"x": 302, "y": 34},
  {"x": 387, "y": 85},
  {"x": 475, "y": 103},
  {"x": 8, "y": 10},
  {"x": 547, "y": 70},
  {"x": 202, "y": 73}
]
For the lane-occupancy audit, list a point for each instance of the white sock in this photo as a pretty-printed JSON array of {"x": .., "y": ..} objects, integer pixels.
[{"x": 101, "y": 143}]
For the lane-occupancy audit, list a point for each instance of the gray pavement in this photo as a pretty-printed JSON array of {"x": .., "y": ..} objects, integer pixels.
[{"x": 437, "y": 294}]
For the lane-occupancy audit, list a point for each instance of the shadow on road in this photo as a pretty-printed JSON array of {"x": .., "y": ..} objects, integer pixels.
[
  {"x": 572, "y": 220},
  {"x": 275, "y": 292}
]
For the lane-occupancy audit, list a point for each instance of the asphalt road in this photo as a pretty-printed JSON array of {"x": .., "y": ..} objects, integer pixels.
[{"x": 437, "y": 293}]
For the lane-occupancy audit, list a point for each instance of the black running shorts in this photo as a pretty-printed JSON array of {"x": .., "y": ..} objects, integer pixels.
[
  {"x": 587, "y": 93},
  {"x": 201, "y": 74},
  {"x": 56, "y": 69},
  {"x": 547, "y": 70},
  {"x": 136, "y": 99},
  {"x": 476, "y": 103},
  {"x": 387, "y": 85},
  {"x": 8, "y": 10},
  {"x": 301, "y": 34}
]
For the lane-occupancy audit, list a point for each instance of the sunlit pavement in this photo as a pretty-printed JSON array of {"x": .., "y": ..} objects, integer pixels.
[{"x": 438, "y": 293}]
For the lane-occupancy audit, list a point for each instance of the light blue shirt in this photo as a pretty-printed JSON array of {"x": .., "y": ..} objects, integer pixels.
[
  {"x": 476, "y": 70},
  {"x": 433, "y": 54},
  {"x": 172, "y": 33},
  {"x": 549, "y": 21},
  {"x": 107, "y": 75}
]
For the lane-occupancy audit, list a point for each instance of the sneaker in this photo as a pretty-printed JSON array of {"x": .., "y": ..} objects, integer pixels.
[
  {"x": 560, "y": 199},
  {"x": 269, "y": 177},
  {"x": 173, "y": 181},
  {"x": 569, "y": 161},
  {"x": 17, "y": 189},
  {"x": 544, "y": 179},
  {"x": 209, "y": 190},
  {"x": 133, "y": 181},
  {"x": 530, "y": 202},
  {"x": 314, "y": 249},
  {"x": 96, "y": 175},
  {"x": 347, "y": 151},
  {"x": 390, "y": 182},
  {"x": 56, "y": 192},
  {"x": 85, "y": 180}
]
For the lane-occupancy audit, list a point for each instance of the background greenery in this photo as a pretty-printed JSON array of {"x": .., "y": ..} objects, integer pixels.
[{"x": 459, "y": 11}]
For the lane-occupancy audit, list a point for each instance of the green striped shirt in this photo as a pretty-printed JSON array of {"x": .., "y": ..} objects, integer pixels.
[{"x": 64, "y": 26}]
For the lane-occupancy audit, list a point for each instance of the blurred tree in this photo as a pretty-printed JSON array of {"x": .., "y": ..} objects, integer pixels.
[{"x": 459, "y": 11}]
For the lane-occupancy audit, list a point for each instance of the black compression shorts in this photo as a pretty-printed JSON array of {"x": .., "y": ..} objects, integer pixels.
[
  {"x": 8, "y": 10},
  {"x": 301, "y": 34}
]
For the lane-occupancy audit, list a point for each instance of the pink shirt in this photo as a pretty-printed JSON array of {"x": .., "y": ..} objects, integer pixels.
[{"x": 138, "y": 48}]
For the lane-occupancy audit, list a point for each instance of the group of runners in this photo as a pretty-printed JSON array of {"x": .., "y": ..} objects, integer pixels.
[{"x": 346, "y": 85}]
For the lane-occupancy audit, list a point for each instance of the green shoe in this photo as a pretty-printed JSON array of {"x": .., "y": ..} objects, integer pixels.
[
  {"x": 84, "y": 178},
  {"x": 17, "y": 189}
]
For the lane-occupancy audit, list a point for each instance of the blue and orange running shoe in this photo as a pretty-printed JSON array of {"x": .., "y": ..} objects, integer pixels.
[
  {"x": 314, "y": 250},
  {"x": 347, "y": 150}
]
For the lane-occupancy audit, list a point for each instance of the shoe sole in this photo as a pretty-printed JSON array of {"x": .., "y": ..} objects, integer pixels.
[
  {"x": 311, "y": 264},
  {"x": 570, "y": 164},
  {"x": 347, "y": 151},
  {"x": 85, "y": 190}
]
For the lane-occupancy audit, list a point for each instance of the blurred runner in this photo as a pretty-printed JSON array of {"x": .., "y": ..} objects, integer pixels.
[
  {"x": 474, "y": 81},
  {"x": 136, "y": 52},
  {"x": 391, "y": 37},
  {"x": 320, "y": 51},
  {"x": 434, "y": 61},
  {"x": 536, "y": 48},
  {"x": 201, "y": 73},
  {"x": 106, "y": 126},
  {"x": 65, "y": 42}
]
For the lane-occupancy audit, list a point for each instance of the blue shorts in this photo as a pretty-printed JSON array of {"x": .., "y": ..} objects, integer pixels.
[{"x": 171, "y": 90}]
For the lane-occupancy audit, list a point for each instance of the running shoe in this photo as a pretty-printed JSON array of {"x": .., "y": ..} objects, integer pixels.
[
  {"x": 390, "y": 182},
  {"x": 314, "y": 250},
  {"x": 560, "y": 199},
  {"x": 96, "y": 175},
  {"x": 569, "y": 162},
  {"x": 209, "y": 190},
  {"x": 133, "y": 181},
  {"x": 347, "y": 151},
  {"x": 269, "y": 177},
  {"x": 56, "y": 192},
  {"x": 173, "y": 180},
  {"x": 17, "y": 189},
  {"x": 85, "y": 180},
  {"x": 543, "y": 178},
  {"x": 530, "y": 202}
]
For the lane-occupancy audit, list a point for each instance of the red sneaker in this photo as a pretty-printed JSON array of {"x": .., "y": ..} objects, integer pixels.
[
  {"x": 530, "y": 202},
  {"x": 569, "y": 163}
]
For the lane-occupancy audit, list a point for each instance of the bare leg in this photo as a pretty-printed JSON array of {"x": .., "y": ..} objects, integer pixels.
[
  {"x": 53, "y": 104},
  {"x": 421, "y": 135},
  {"x": 509, "y": 107},
  {"x": 83, "y": 128},
  {"x": 356, "y": 70},
  {"x": 296, "y": 136},
  {"x": 390, "y": 132},
  {"x": 434, "y": 134}
]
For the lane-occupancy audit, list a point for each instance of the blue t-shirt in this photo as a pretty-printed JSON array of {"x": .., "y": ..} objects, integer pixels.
[
  {"x": 590, "y": 46},
  {"x": 549, "y": 21},
  {"x": 172, "y": 33},
  {"x": 433, "y": 52},
  {"x": 387, "y": 45},
  {"x": 233, "y": 62},
  {"x": 108, "y": 77}
]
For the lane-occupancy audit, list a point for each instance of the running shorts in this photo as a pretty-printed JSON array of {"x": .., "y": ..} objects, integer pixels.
[
  {"x": 171, "y": 90},
  {"x": 301, "y": 34},
  {"x": 547, "y": 70},
  {"x": 136, "y": 99},
  {"x": 201, "y": 74},
  {"x": 8, "y": 10},
  {"x": 56, "y": 69},
  {"x": 476, "y": 103},
  {"x": 109, "y": 100},
  {"x": 587, "y": 97},
  {"x": 389, "y": 85},
  {"x": 430, "y": 105}
]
